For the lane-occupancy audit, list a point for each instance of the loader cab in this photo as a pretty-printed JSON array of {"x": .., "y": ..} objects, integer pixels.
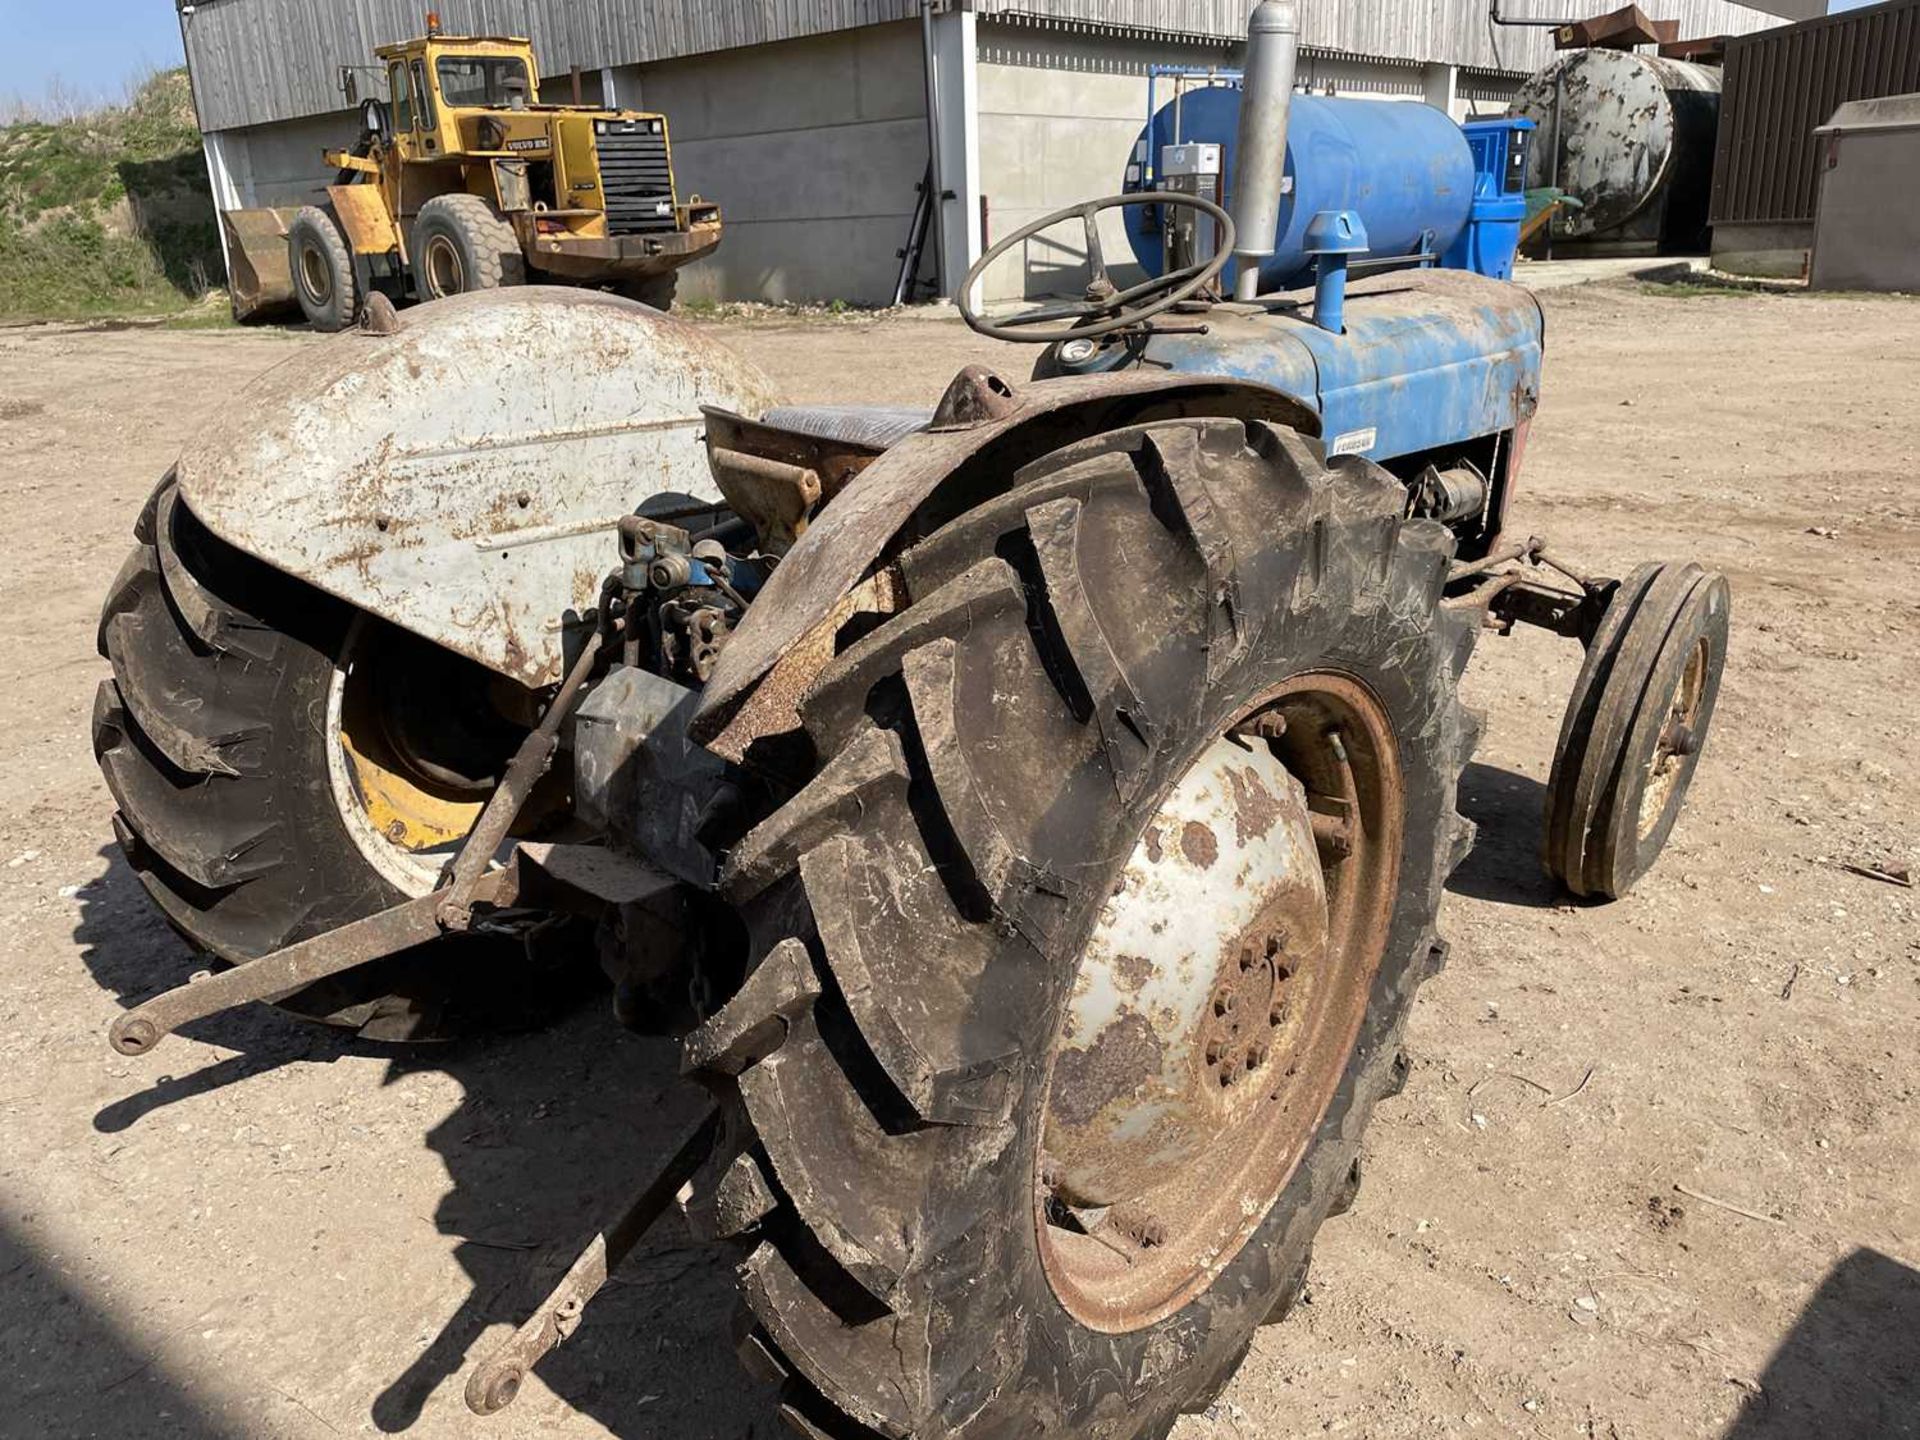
[{"x": 455, "y": 96}]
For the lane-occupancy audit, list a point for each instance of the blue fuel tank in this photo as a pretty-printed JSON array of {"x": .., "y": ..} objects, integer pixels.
[{"x": 1406, "y": 168}]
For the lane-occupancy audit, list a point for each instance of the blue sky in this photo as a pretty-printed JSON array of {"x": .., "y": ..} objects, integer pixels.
[{"x": 91, "y": 46}]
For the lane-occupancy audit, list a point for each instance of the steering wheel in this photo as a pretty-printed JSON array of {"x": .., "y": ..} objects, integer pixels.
[{"x": 1105, "y": 308}]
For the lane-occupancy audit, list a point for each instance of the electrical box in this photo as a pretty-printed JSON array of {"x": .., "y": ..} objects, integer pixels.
[{"x": 1191, "y": 169}]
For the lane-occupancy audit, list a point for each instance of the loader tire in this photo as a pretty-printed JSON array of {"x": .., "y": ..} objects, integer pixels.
[
  {"x": 214, "y": 738},
  {"x": 323, "y": 277},
  {"x": 461, "y": 243},
  {"x": 656, "y": 291},
  {"x": 946, "y": 1227}
]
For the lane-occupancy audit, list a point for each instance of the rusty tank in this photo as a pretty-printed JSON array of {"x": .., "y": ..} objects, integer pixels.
[{"x": 1630, "y": 137}]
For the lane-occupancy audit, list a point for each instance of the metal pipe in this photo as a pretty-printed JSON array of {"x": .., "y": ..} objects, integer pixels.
[
  {"x": 1330, "y": 293},
  {"x": 1273, "y": 44},
  {"x": 1553, "y": 172},
  {"x": 936, "y": 184},
  {"x": 1493, "y": 13}
]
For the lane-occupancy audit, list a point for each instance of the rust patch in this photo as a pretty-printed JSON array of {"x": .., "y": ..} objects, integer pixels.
[
  {"x": 1198, "y": 845},
  {"x": 1154, "y": 851},
  {"x": 1132, "y": 971},
  {"x": 1124, "y": 1057},
  {"x": 1256, "y": 809}
]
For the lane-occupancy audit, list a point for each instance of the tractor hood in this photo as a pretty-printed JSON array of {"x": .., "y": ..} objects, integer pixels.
[
  {"x": 462, "y": 476},
  {"x": 1428, "y": 358}
]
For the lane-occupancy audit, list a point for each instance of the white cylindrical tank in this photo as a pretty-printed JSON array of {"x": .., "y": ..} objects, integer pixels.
[{"x": 1631, "y": 138}]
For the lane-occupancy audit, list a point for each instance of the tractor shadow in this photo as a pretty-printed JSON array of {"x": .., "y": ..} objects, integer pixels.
[
  {"x": 1504, "y": 864},
  {"x": 1846, "y": 1370},
  {"x": 133, "y": 955},
  {"x": 555, "y": 1131}
]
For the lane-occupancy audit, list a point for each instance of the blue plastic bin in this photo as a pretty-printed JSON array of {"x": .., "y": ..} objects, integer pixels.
[{"x": 1491, "y": 239}]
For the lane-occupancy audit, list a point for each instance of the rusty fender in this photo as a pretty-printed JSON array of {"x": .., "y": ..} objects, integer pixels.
[
  {"x": 983, "y": 432},
  {"x": 462, "y": 476}
]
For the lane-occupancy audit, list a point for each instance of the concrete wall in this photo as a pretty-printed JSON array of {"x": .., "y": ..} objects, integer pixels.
[
  {"x": 1058, "y": 116},
  {"x": 812, "y": 149},
  {"x": 1771, "y": 250},
  {"x": 281, "y": 164}
]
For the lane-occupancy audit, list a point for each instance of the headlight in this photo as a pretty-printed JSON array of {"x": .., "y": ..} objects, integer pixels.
[{"x": 1078, "y": 352}]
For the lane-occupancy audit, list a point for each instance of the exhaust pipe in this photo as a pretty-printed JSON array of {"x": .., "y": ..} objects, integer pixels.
[{"x": 1273, "y": 43}]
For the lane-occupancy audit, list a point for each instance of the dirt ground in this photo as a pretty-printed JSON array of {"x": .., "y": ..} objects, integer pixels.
[{"x": 266, "y": 1230}]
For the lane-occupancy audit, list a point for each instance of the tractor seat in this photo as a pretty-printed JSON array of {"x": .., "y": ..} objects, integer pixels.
[{"x": 878, "y": 426}]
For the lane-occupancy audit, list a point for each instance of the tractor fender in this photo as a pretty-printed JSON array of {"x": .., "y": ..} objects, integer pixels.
[
  {"x": 463, "y": 475},
  {"x": 984, "y": 430}
]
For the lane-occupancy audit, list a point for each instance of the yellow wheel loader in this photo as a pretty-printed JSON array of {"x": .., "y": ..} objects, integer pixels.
[{"x": 461, "y": 181}]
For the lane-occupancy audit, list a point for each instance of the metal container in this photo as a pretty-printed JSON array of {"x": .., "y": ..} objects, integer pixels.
[
  {"x": 1867, "y": 232},
  {"x": 1405, "y": 168},
  {"x": 1630, "y": 137}
]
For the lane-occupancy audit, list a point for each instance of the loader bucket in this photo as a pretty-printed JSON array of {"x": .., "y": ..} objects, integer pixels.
[{"x": 259, "y": 278}]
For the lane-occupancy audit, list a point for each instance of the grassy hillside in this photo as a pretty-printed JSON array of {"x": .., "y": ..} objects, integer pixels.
[{"x": 108, "y": 213}]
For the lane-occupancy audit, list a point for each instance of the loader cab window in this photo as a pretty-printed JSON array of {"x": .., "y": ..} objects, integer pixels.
[
  {"x": 423, "y": 102},
  {"x": 495, "y": 82},
  {"x": 402, "y": 99}
]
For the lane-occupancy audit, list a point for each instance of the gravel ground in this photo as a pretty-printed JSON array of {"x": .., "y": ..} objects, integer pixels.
[{"x": 268, "y": 1230}]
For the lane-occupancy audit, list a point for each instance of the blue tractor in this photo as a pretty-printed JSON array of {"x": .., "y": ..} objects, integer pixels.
[{"x": 1034, "y": 812}]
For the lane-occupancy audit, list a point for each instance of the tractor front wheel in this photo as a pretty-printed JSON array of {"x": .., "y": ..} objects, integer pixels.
[
  {"x": 323, "y": 277},
  {"x": 1085, "y": 954},
  {"x": 461, "y": 243}
]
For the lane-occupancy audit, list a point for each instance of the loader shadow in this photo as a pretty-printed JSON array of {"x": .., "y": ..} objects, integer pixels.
[
  {"x": 67, "y": 1369},
  {"x": 1504, "y": 864},
  {"x": 1848, "y": 1369},
  {"x": 554, "y": 1133}
]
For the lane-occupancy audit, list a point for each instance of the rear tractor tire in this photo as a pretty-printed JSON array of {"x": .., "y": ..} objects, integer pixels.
[
  {"x": 1085, "y": 954},
  {"x": 323, "y": 276},
  {"x": 461, "y": 243},
  {"x": 262, "y": 798}
]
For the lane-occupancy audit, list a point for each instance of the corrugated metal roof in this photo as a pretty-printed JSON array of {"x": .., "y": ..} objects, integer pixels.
[
  {"x": 258, "y": 61},
  {"x": 1452, "y": 32}
]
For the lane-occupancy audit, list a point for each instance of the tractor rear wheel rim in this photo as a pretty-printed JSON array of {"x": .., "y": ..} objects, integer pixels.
[
  {"x": 316, "y": 275},
  {"x": 446, "y": 275},
  {"x": 1217, "y": 1002},
  {"x": 1679, "y": 738},
  {"x": 408, "y": 809}
]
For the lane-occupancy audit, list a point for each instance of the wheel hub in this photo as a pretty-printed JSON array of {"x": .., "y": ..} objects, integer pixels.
[
  {"x": 1179, "y": 996},
  {"x": 1217, "y": 1002},
  {"x": 316, "y": 274}
]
